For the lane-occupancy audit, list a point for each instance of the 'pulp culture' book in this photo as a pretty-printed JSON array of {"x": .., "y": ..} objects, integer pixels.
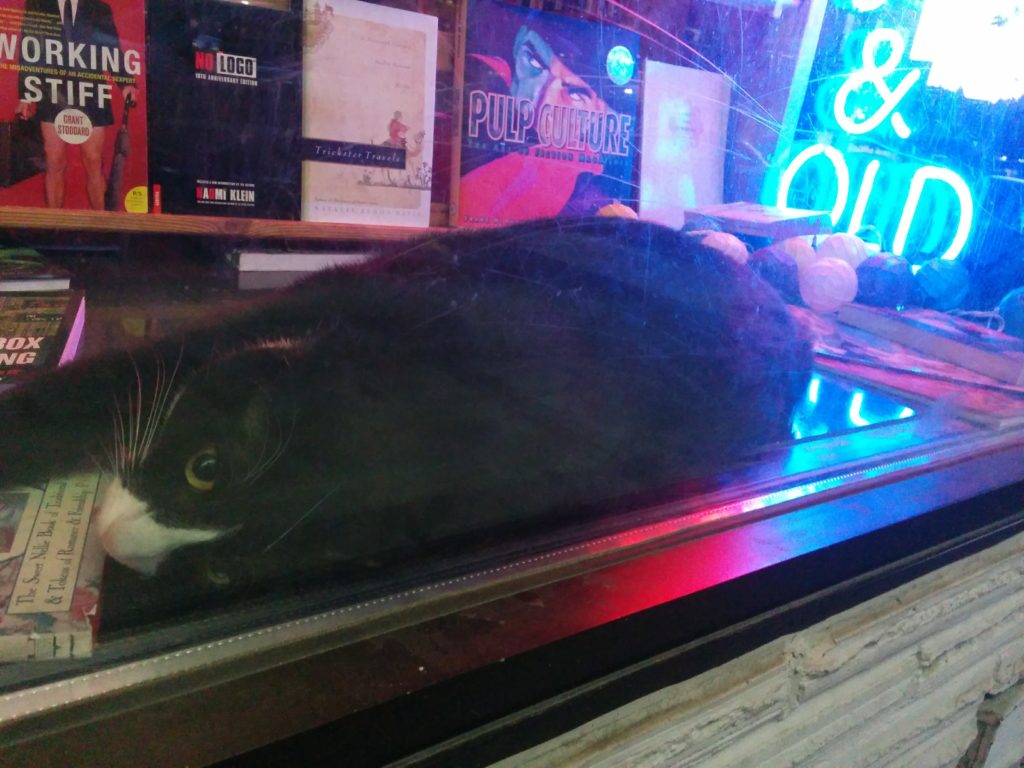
[
  {"x": 226, "y": 104},
  {"x": 369, "y": 80},
  {"x": 73, "y": 79},
  {"x": 51, "y": 565},
  {"x": 38, "y": 331},
  {"x": 682, "y": 151},
  {"x": 945, "y": 337},
  {"x": 548, "y": 122}
]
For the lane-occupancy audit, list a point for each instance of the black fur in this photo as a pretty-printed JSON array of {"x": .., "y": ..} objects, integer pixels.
[{"x": 456, "y": 383}]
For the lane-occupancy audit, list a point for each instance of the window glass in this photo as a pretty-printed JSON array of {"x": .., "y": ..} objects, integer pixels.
[{"x": 306, "y": 304}]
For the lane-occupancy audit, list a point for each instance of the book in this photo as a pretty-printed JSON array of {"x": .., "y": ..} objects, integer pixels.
[
  {"x": 548, "y": 125},
  {"x": 971, "y": 401},
  {"x": 23, "y": 270},
  {"x": 368, "y": 97},
  {"x": 758, "y": 220},
  {"x": 51, "y": 567},
  {"x": 898, "y": 370},
  {"x": 945, "y": 337},
  {"x": 682, "y": 149},
  {"x": 267, "y": 270},
  {"x": 294, "y": 261},
  {"x": 226, "y": 103},
  {"x": 74, "y": 89},
  {"x": 38, "y": 331}
]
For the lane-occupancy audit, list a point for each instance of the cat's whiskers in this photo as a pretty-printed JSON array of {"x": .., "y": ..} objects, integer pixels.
[
  {"x": 151, "y": 422},
  {"x": 120, "y": 438},
  {"x": 137, "y": 425},
  {"x": 262, "y": 467},
  {"x": 134, "y": 434},
  {"x": 158, "y": 409}
]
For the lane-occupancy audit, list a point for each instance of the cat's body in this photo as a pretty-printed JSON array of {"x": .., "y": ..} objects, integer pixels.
[{"x": 457, "y": 384}]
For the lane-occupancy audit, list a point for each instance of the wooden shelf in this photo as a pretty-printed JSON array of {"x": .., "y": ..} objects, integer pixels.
[{"x": 168, "y": 224}]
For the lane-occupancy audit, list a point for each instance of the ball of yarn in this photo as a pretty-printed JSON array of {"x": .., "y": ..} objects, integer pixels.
[
  {"x": 728, "y": 245},
  {"x": 941, "y": 284},
  {"x": 779, "y": 269},
  {"x": 828, "y": 284},
  {"x": 617, "y": 210},
  {"x": 884, "y": 280},
  {"x": 1011, "y": 308},
  {"x": 841, "y": 245},
  {"x": 801, "y": 251}
]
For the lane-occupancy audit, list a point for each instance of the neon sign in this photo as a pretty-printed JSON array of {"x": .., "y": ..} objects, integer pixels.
[
  {"x": 874, "y": 73},
  {"x": 867, "y": 101}
]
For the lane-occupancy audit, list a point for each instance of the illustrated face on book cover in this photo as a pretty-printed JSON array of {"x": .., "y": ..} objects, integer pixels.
[
  {"x": 545, "y": 77},
  {"x": 452, "y": 387}
]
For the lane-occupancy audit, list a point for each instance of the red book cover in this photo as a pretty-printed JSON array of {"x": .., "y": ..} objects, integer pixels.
[
  {"x": 549, "y": 115},
  {"x": 73, "y": 104}
]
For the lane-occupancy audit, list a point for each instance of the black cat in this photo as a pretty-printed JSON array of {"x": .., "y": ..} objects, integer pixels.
[{"x": 451, "y": 385}]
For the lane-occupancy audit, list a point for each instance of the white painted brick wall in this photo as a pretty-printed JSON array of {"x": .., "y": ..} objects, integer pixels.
[{"x": 895, "y": 681}]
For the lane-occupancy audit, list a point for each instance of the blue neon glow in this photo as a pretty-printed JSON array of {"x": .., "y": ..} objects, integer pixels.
[
  {"x": 866, "y": 6},
  {"x": 813, "y": 390},
  {"x": 866, "y": 185},
  {"x": 855, "y": 405},
  {"x": 621, "y": 64},
  {"x": 963, "y": 193},
  {"x": 906, "y": 413},
  {"x": 868, "y": 99},
  {"x": 973, "y": 47},
  {"x": 874, "y": 72},
  {"x": 842, "y": 172}
]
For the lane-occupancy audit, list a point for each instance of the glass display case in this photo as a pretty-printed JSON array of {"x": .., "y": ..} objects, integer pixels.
[{"x": 425, "y": 378}]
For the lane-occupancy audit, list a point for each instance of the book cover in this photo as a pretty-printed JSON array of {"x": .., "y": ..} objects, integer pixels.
[
  {"x": 227, "y": 107},
  {"x": 760, "y": 220},
  {"x": 38, "y": 331},
  {"x": 548, "y": 122},
  {"x": 945, "y": 337},
  {"x": 51, "y": 566},
  {"x": 896, "y": 369},
  {"x": 295, "y": 261},
  {"x": 986, "y": 406},
  {"x": 682, "y": 149},
  {"x": 73, "y": 89},
  {"x": 369, "y": 80},
  {"x": 24, "y": 270}
]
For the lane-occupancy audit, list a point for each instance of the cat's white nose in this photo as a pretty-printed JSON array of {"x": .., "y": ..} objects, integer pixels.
[{"x": 131, "y": 536}]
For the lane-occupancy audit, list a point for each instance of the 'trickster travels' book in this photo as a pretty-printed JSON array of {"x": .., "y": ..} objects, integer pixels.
[
  {"x": 73, "y": 87},
  {"x": 226, "y": 102},
  {"x": 51, "y": 566},
  {"x": 368, "y": 113},
  {"x": 549, "y": 116}
]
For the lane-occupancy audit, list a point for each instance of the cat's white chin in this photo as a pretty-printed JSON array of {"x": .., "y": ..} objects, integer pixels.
[{"x": 131, "y": 536}]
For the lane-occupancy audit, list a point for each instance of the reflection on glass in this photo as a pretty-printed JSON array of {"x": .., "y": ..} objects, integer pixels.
[
  {"x": 461, "y": 385},
  {"x": 832, "y": 406}
]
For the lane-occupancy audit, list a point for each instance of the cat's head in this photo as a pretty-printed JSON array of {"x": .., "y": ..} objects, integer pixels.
[{"x": 191, "y": 452}]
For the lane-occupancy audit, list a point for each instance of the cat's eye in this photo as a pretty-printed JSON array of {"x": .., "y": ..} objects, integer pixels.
[{"x": 201, "y": 469}]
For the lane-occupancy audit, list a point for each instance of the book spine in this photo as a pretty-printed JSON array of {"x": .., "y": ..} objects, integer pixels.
[
  {"x": 997, "y": 366},
  {"x": 43, "y": 646}
]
